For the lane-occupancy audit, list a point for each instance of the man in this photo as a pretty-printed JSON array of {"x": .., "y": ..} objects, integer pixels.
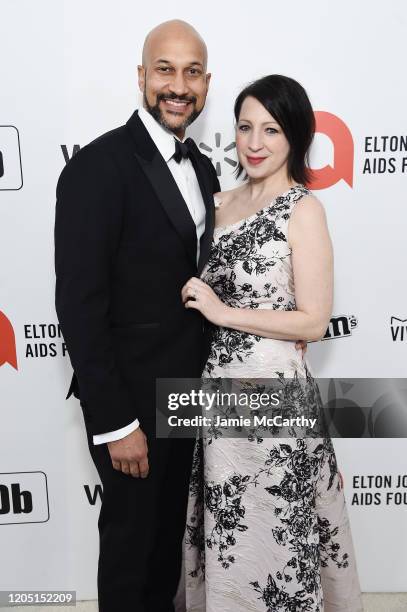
[{"x": 134, "y": 221}]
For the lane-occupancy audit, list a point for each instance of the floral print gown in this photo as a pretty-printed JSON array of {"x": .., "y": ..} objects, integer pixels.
[{"x": 267, "y": 525}]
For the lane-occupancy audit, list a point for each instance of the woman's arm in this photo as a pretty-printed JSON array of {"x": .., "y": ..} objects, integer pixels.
[{"x": 312, "y": 261}]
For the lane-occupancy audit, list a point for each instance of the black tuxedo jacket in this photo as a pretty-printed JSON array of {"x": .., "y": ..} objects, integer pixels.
[{"x": 125, "y": 244}]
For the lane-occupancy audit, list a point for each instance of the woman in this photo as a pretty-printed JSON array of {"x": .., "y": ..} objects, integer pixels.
[{"x": 270, "y": 530}]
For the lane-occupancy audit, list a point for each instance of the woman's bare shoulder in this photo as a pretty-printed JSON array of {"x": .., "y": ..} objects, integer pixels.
[
  {"x": 309, "y": 208},
  {"x": 223, "y": 198},
  {"x": 307, "y": 221}
]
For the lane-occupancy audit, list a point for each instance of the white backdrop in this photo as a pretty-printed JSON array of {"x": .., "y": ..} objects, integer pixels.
[{"x": 68, "y": 73}]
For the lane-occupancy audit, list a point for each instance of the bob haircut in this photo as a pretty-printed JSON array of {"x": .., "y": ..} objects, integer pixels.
[{"x": 287, "y": 101}]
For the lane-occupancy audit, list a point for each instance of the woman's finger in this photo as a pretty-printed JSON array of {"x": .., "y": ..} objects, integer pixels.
[
  {"x": 187, "y": 285},
  {"x": 187, "y": 292},
  {"x": 192, "y": 304},
  {"x": 193, "y": 293},
  {"x": 197, "y": 282}
]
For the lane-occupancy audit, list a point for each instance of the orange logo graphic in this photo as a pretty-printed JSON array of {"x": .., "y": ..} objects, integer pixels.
[
  {"x": 8, "y": 353},
  {"x": 342, "y": 141}
]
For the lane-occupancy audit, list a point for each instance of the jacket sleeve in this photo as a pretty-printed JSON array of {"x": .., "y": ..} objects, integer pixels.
[{"x": 87, "y": 232}]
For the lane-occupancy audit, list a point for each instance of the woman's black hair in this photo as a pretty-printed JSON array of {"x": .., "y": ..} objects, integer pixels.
[{"x": 287, "y": 101}]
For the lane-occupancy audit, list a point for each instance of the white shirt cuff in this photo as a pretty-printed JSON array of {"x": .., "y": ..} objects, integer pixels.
[{"x": 118, "y": 434}]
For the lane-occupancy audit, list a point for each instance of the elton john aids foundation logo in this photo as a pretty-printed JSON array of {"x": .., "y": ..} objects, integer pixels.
[
  {"x": 8, "y": 353},
  {"x": 11, "y": 173}
]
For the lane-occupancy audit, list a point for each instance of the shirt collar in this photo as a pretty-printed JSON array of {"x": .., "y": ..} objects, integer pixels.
[{"x": 162, "y": 138}]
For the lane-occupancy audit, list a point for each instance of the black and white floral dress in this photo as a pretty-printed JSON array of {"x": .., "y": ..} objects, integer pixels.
[{"x": 267, "y": 525}]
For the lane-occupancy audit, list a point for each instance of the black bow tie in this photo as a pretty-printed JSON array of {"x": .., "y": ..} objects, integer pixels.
[{"x": 182, "y": 149}]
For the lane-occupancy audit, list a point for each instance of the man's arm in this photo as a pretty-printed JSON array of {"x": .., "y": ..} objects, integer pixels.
[{"x": 87, "y": 229}]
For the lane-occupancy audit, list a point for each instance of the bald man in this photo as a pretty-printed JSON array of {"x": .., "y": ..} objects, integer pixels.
[{"x": 134, "y": 221}]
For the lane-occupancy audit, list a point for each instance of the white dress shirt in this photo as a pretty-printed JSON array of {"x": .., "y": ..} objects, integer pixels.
[{"x": 185, "y": 177}]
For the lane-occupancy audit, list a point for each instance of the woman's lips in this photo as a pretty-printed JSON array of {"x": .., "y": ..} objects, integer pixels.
[{"x": 255, "y": 161}]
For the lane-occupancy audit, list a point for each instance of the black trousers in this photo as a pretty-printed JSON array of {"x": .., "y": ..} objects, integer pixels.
[{"x": 141, "y": 527}]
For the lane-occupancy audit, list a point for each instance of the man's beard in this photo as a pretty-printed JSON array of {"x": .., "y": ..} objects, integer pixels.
[{"x": 158, "y": 115}]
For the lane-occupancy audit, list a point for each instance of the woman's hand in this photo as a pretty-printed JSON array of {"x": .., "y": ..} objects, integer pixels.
[
  {"x": 197, "y": 294},
  {"x": 301, "y": 345}
]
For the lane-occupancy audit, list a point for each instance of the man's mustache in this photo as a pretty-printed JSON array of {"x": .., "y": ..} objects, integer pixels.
[{"x": 175, "y": 97}]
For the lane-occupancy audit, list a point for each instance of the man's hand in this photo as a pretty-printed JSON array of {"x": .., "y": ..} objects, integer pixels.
[
  {"x": 129, "y": 455},
  {"x": 301, "y": 345}
]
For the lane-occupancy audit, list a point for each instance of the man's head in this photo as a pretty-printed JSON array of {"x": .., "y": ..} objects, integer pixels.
[{"x": 173, "y": 77}]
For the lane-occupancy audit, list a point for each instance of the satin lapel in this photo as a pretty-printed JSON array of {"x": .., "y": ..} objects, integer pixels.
[
  {"x": 203, "y": 180},
  {"x": 164, "y": 185},
  {"x": 171, "y": 199}
]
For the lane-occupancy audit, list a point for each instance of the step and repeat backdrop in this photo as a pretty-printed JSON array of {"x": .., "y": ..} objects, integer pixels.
[{"x": 69, "y": 73}]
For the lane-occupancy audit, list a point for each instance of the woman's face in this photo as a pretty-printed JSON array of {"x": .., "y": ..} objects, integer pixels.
[{"x": 261, "y": 144}]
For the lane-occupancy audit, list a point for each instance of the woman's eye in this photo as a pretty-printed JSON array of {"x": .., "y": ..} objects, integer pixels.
[
  {"x": 271, "y": 130},
  {"x": 243, "y": 128}
]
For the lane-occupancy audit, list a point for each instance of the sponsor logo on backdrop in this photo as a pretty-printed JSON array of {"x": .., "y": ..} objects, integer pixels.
[
  {"x": 217, "y": 153},
  {"x": 379, "y": 490},
  {"x": 94, "y": 493},
  {"x": 11, "y": 170},
  {"x": 385, "y": 154},
  {"x": 342, "y": 141},
  {"x": 65, "y": 152},
  {"x": 23, "y": 498},
  {"x": 340, "y": 326},
  {"x": 44, "y": 340},
  {"x": 8, "y": 352},
  {"x": 398, "y": 329}
]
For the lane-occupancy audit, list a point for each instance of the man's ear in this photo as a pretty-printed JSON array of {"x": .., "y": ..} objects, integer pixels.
[
  {"x": 208, "y": 79},
  {"x": 141, "y": 71}
]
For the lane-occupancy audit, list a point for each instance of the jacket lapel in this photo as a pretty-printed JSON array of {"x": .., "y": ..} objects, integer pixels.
[
  {"x": 163, "y": 183},
  {"x": 207, "y": 195}
]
